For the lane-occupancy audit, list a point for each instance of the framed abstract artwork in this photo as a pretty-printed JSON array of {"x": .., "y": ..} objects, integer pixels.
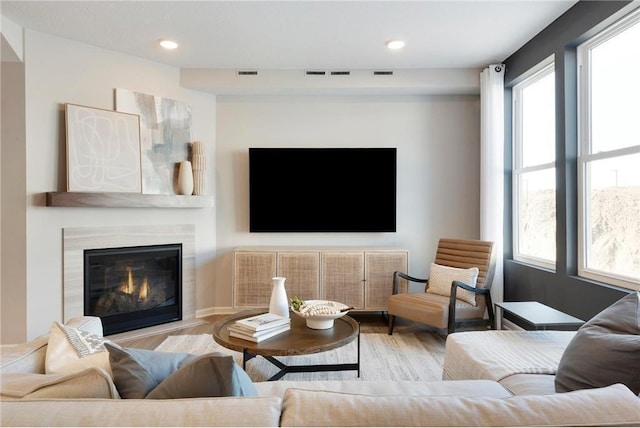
[
  {"x": 165, "y": 136},
  {"x": 103, "y": 150}
]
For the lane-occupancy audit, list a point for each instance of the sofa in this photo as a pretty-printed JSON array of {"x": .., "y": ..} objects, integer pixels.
[{"x": 475, "y": 392}]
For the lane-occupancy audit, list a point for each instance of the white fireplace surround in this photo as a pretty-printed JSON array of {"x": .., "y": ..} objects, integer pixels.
[{"x": 78, "y": 239}]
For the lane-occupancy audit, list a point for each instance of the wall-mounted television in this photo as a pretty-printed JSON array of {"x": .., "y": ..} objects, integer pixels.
[{"x": 322, "y": 189}]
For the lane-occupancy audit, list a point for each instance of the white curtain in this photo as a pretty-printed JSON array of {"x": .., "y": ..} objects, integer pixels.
[{"x": 492, "y": 167}]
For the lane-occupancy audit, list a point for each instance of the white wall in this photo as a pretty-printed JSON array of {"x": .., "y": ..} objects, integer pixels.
[
  {"x": 438, "y": 144},
  {"x": 60, "y": 71}
]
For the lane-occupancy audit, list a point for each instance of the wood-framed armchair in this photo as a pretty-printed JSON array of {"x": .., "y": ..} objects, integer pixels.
[{"x": 442, "y": 311}]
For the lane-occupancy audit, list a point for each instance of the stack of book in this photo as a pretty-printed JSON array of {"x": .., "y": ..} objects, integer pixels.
[{"x": 259, "y": 327}]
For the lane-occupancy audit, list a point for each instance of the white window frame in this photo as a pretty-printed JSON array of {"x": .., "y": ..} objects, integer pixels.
[
  {"x": 584, "y": 151},
  {"x": 540, "y": 71}
]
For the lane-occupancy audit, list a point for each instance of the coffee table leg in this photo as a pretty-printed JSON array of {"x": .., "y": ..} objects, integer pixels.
[
  {"x": 284, "y": 369},
  {"x": 246, "y": 356},
  {"x": 358, "y": 349}
]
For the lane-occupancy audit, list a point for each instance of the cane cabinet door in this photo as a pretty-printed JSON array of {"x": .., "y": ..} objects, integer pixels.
[
  {"x": 343, "y": 277},
  {"x": 302, "y": 273},
  {"x": 379, "y": 268},
  {"x": 252, "y": 278}
]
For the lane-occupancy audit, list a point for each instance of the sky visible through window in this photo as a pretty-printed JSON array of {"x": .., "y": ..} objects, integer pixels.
[{"x": 615, "y": 107}]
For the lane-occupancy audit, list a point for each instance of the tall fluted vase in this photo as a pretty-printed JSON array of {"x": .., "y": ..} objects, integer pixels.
[
  {"x": 279, "y": 304},
  {"x": 199, "y": 163}
]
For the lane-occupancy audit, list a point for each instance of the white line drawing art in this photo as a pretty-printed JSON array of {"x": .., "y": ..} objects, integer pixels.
[{"x": 103, "y": 150}]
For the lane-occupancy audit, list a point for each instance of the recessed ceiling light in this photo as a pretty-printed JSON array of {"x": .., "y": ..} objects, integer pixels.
[
  {"x": 168, "y": 44},
  {"x": 395, "y": 44}
]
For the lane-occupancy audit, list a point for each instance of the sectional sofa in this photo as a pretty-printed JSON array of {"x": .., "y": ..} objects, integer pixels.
[{"x": 477, "y": 391}]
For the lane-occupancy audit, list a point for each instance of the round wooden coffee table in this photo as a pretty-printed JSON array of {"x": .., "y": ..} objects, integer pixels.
[{"x": 300, "y": 340}]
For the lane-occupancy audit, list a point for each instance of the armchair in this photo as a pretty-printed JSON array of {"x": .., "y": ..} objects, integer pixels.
[{"x": 449, "y": 307}]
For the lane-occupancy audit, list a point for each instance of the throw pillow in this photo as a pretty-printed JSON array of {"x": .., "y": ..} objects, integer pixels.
[
  {"x": 441, "y": 277},
  {"x": 210, "y": 375},
  {"x": 605, "y": 350},
  {"x": 70, "y": 350},
  {"x": 138, "y": 371}
]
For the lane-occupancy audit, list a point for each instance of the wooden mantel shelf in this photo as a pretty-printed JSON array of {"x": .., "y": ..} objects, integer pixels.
[{"x": 126, "y": 200}]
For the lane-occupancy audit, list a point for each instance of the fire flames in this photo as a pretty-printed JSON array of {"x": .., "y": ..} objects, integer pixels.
[
  {"x": 144, "y": 290},
  {"x": 129, "y": 287}
]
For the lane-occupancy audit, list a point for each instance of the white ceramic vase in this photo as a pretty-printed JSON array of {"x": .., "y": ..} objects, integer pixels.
[
  {"x": 279, "y": 304},
  {"x": 185, "y": 178}
]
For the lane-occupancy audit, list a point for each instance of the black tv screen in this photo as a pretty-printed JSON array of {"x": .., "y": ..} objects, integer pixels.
[{"x": 322, "y": 189}]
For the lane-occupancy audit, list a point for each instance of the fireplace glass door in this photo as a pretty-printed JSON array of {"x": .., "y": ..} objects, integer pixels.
[{"x": 133, "y": 287}]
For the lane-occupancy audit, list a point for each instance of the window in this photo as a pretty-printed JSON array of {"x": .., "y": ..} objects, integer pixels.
[
  {"x": 534, "y": 172},
  {"x": 609, "y": 155}
]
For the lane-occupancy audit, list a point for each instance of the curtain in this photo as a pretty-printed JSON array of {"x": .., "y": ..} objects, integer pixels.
[{"x": 492, "y": 168}]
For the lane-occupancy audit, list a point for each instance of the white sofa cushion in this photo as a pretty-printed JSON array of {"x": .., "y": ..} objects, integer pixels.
[
  {"x": 495, "y": 355},
  {"x": 466, "y": 388},
  {"x": 529, "y": 384},
  {"x": 89, "y": 383},
  {"x": 25, "y": 357},
  {"x": 614, "y": 405},
  {"x": 225, "y": 411}
]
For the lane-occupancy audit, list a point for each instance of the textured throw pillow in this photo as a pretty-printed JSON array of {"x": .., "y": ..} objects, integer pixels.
[
  {"x": 70, "y": 350},
  {"x": 605, "y": 350},
  {"x": 137, "y": 371},
  {"x": 210, "y": 375},
  {"x": 441, "y": 277}
]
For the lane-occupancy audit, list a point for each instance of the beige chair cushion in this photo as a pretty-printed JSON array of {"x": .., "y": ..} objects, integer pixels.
[
  {"x": 431, "y": 309},
  {"x": 441, "y": 277}
]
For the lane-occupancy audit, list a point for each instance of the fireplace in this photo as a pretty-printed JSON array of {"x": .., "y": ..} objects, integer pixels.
[{"x": 133, "y": 287}]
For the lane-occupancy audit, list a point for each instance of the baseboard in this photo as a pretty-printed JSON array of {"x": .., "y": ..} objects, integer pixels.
[
  {"x": 201, "y": 313},
  {"x": 154, "y": 330}
]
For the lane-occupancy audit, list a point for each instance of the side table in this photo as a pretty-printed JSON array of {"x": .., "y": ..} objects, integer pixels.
[{"x": 541, "y": 317}]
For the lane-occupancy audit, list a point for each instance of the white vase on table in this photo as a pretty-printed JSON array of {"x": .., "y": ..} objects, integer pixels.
[{"x": 279, "y": 304}]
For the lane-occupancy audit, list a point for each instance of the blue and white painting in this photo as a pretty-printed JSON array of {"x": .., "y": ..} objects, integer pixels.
[{"x": 165, "y": 135}]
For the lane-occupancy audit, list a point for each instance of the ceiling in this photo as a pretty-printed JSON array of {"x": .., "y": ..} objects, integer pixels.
[{"x": 299, "y": 35}]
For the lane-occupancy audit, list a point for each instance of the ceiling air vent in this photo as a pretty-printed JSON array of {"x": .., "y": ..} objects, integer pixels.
[
  {"x": 315, "y": 73},
  {"x": 247, "y": 72},
  {"x": 383, "y": 73},
  {"x": 340, "y": 73}
]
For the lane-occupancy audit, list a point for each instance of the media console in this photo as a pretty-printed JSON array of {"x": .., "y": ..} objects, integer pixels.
[{"x": 361, "y": 277}]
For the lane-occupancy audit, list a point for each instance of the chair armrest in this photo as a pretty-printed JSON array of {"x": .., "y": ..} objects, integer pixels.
[
  {"x": 456, "y": 284},
  {"x": 452, "y": 303},
  {"x": 398, "y": 274}
]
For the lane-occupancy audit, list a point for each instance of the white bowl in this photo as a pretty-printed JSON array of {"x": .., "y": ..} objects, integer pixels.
[{"x": 322, "y": 321}]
